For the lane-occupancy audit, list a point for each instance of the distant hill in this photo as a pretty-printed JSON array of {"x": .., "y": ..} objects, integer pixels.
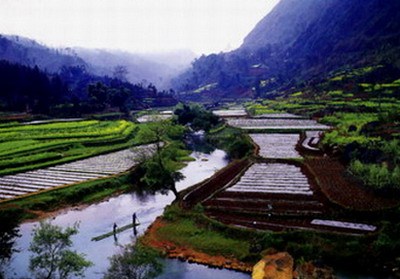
[
  {"x": 28, "y": 52},
  {"x": 157, "y": 69},
  {"x": 297, "y": 41}
]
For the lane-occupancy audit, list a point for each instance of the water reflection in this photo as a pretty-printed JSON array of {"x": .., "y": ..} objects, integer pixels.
[
  {"x": 8, "y": 234},
  {"x": 180, "y": 270},
  {"x": 196, "y": 141}
]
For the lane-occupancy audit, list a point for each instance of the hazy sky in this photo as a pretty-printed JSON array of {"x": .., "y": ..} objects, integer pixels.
[{"x": 204, "y": 26}]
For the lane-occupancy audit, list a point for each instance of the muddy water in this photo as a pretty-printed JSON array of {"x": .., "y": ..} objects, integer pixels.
[{"x": 99, "y": 218}]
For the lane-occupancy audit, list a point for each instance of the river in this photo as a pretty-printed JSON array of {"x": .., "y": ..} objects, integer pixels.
[{"x": 97, "y": 219}]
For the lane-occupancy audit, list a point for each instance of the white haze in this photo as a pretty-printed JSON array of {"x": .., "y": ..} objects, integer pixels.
[{"x": 202, "y": 26}]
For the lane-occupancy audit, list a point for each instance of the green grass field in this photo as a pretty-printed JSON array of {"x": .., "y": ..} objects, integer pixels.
[{"x": 26, "y": 147}]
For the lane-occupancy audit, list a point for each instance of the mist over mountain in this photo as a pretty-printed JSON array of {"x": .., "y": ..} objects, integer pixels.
[
  {"x": 71, "y": 82},
  {"x": 295, "y": 42},
  {"x": 155, "y": 68}
]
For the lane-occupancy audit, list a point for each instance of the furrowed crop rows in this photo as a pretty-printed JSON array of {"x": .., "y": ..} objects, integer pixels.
[
  {"x": 279, "y": 115},
  {"x": 277, "y": 145},
  {"x": 92, "y": 168},
  {"x": 153, "y": 118},
  {"x": 27, "y": 147},
  {"x": 277, "y": 123},
  {"x": 273, "y": 178}
]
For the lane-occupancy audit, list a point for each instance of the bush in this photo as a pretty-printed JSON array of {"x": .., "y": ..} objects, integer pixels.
[{"x": 378, "y": 177}]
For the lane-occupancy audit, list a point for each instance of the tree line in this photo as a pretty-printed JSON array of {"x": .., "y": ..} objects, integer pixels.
[{"x": 72, "y": 92}]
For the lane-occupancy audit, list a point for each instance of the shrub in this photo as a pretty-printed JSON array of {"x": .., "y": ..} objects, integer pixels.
[{"x": 378, "y": 177}]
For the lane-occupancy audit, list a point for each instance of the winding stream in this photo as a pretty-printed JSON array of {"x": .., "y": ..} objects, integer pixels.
[{"x": 99, "y": 218}]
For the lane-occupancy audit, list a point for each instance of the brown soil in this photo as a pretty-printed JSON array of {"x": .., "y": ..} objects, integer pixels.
[
  {"x": 171, "y": 250},
  {"x": 341, "y": 189}
]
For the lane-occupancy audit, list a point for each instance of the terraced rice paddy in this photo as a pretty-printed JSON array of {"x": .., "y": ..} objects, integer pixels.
[
  {"x": 30, "y": 146},
  {"x": 278, "y": 123},
  {"x": 230, "y": 113},
  {"x": 96, "y": 167},
  {"x": 345, "y": 225},
  {"x": 279, "y": 115},
  {"x": 273, "y": 178},
  {"x": 277, "y": 145},
  {"x": 153, "y": 118}
]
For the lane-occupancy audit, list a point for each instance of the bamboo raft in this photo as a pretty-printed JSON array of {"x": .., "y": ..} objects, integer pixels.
[{"x": 118, "y": 230}]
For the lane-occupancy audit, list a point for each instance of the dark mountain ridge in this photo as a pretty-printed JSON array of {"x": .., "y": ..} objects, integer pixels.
[
  {"x": 27, "y": 52},
  {"x": 298, "y": 41}
]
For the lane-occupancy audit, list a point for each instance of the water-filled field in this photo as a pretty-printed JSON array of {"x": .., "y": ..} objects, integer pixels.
[
  {"x": 277, "y": 145},
  {"x": 277, "y": 123},
  {"x": 273, "y": 178}
]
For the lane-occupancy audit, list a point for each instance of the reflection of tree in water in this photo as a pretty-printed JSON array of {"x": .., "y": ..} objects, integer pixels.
[
  {"x": 9, "y": 231},
  {"x": 143, "y": 195},
  {"x": 198, "y": 143}
]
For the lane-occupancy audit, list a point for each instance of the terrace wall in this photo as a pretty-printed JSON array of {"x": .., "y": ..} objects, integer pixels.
[{"x": 210, "y": 186}]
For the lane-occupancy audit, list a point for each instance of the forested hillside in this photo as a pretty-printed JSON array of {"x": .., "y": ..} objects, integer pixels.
[
  {"x": 73, "y": 92},
  {"x": 296, "y": 42}
]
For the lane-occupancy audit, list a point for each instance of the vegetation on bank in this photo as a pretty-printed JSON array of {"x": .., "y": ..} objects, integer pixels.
[
  {"x": 135, "y": 261},
  {"x": 182, "y": 229},
  {"x": 160, "y": 172},
  {"x": 234, "y": 141}
]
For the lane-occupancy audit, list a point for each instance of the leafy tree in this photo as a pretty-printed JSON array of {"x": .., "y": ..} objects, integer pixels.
[
  {"x": 98, "y": 94},
  {"x": 135, "y": 262},
  {"x": 197, "y": 116},
  {"x": 52, "y": 257},
  {"x": 239, "y": 147},
  {"x": 161, "y": 170}
]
